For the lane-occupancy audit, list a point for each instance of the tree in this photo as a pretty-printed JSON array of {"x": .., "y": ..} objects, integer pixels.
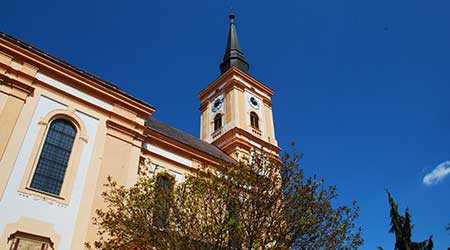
[
  {"x": 402, "y": 228},
  {"x": 262, "y": 203}
]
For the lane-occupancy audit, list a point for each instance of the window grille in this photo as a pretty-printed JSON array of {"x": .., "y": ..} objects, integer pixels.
[{"x": 54, "y": 157}]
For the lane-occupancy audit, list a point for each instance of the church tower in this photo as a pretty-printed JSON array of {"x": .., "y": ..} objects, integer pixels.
[{"x": 236, "y": 109}]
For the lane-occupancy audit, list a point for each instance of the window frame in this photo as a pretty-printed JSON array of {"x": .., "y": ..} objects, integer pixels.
[
  {"x": 80, "y": 140},
  {"x": 160, "y": 218},
  {"x": 254, "y": 115},
  {"x": 14, "y": 240},
  {"x": 59, "y": 145},
  {"x": 215, "y": 119}
]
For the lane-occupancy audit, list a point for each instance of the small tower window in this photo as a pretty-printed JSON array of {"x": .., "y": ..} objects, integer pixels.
[
  {"x": 254, "y": 120},
  {"x": 217, "y": 122}
]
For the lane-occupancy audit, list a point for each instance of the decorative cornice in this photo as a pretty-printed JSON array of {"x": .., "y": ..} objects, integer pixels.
[
  {"x": 230, "y": 74},
  {"x": 232, "y": 136},
  {"x": 132, "y": 133},
  {"x": 24, "y": 90}
]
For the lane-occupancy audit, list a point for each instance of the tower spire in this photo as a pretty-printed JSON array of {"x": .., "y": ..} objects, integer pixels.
[{"x": 233, "y": 54}]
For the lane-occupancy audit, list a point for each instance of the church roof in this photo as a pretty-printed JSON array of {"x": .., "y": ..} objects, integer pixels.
[
  {"x": 62, "y": 63},
  {"x": 233, "y": 53},
  {"x": 187, "y": 139}
]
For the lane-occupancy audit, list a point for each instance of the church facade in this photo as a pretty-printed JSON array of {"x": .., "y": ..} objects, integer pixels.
[{"x": 63, "y": 131}]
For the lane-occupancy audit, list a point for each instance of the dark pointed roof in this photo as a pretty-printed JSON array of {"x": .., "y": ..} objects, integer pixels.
[{"x": 233, "y": 53}]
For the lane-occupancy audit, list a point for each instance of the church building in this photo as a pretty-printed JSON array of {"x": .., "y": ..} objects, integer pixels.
[{"x": 63, "y": 131}]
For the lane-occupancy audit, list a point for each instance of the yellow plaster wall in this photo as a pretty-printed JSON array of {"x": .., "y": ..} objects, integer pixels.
[
  {"x": 115, "y": 163},
  {"x": 114, "y": 153},
  {"x": 230, "y": 102},
  {"x": 268, "y": 117},
  {"x": 133, "y": 163},
  {"x": 3, "y": 98},
  {"x": 12, "y": 143},
  {"x": 8, "y": 119},
  {"x": 236, "y": 84},
  {"x": 205, "y": 124},
  {"x": 242, "y": 120},
  {"x": 30, "y": 226}
]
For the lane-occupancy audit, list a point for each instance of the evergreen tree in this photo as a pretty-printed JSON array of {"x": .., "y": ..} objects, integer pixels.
[{"x": 402, "y": 228}]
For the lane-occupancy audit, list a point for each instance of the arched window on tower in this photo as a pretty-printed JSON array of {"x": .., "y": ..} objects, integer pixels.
[
  {"x": 254, "y": 120},
  {"x": 217, "y": 122},
  {"x": 54, "y": 158}
]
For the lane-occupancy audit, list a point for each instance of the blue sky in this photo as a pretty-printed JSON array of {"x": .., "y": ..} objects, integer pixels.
[{"x": 361, "y": 86}]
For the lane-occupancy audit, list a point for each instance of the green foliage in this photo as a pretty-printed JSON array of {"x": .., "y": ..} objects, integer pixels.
[
  {"x": 402, "y": 228},
  {"x": 262, "y": 203}
]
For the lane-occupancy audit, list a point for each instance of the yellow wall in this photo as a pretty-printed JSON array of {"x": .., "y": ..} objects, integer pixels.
[
  {"x": 237, "y": 132},
  {"x": 115, "y": 164},
  {"x": 115, "y": 152},
  {"x": 3, "y": 98},
  {"x": 117, "y": 145}
]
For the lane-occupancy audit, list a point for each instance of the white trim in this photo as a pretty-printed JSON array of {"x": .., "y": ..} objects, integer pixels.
[
  {"x": 73, "y": 91},
  {"x": 167, "y": 154},
  {"x": 179, "y": 177},
  {"x": 258, "y": 146},
  {"x": 15, "y": 205},
  {"x": 215, "y": 91}
]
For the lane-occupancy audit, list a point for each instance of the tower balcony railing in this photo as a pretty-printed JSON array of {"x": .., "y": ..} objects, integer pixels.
[
  {"x": 256, "y": 131},
  {"x": 217, "y": 133}
]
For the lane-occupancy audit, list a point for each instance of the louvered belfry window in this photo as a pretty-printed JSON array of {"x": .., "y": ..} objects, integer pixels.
[{"x": 54, "y": 158}]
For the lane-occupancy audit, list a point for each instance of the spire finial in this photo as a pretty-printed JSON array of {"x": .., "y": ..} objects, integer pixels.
[
  {"x": 231, "y": 16},
  {"x": 233, "y": 53}
]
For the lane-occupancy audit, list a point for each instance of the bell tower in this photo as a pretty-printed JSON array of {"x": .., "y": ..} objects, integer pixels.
[{"x": 236, "y": 109}]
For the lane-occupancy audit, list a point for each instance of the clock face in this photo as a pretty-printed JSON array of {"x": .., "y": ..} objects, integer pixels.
[
  {"x": 254, "y": 102},
  {"x": 217, "y": 103}
]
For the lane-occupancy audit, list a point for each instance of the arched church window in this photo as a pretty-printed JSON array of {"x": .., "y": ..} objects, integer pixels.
[
  {"x": 217, "y": 122},
  {"x": 54, "y": 158},
  {"x": 164, "y": 187},
  {"x": 254, "y": 120}
]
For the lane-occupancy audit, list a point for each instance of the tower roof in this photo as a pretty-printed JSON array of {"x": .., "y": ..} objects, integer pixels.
[{"x": 233, "y": 54}]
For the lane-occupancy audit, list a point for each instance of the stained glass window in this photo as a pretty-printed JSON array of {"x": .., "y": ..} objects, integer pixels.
[{"x": 52, "y": 164}]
